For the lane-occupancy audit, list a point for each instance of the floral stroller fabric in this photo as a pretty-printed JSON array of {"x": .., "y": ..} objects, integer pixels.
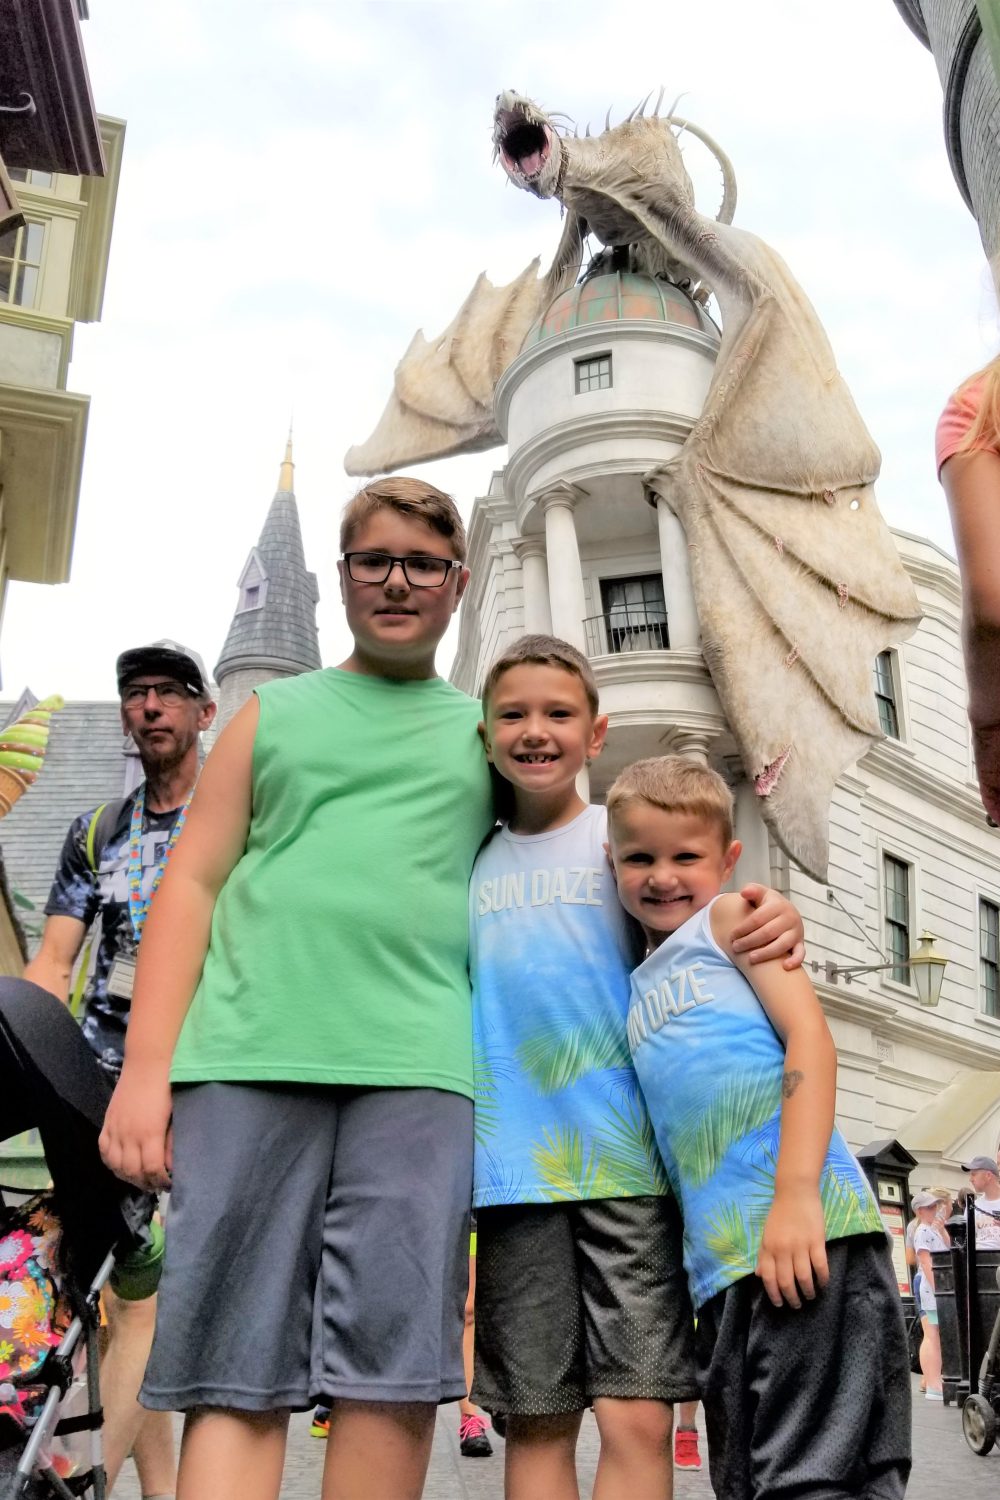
[{"x": 57, "y": 1250}]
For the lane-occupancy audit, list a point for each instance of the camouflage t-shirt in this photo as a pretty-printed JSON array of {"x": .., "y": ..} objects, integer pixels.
[{"x": 79, "y": 891}]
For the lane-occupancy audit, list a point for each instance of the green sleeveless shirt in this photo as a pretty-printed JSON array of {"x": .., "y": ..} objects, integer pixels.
[{"x": 339, "y": 943}]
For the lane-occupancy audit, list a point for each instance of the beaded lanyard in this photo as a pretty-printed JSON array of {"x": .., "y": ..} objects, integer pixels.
[{"x": 138, "y": 904}]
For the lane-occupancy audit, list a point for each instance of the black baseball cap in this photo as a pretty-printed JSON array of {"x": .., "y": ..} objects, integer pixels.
[{"x": 168, "y": 657}]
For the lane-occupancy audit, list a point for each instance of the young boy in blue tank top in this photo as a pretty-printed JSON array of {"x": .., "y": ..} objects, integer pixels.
[
  {"x": 802, "y": 1349},
  {"x": 580, "y": 1295}
]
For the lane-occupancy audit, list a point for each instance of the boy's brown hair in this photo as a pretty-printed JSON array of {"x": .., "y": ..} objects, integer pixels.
[
  {"x": 410, "y": 497},
  {"x": 677, "y": 785},
  {"x": 543, "y": 651}
]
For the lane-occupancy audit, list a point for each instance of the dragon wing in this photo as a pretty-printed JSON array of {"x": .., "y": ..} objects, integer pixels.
[
  {"x": 442, "y": 398},
  {"x": 796, "y": 577}
]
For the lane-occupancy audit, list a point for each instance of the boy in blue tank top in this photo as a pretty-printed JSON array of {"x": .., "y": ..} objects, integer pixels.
[
  {"x": 580, "y": 1296},
  {"x": 802, "y": 1350}
]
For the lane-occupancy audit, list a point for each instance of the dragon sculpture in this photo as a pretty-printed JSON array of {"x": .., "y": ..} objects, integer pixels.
[{"x": 796, "y": 578}]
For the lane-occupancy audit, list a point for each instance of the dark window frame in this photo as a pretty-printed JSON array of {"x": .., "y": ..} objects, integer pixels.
[
  {"x": 896, "y": 877},
  {"x": 589, "y": 373},
  {"x": 989, "y": 956},
  {"x": 886, "y": 694}
]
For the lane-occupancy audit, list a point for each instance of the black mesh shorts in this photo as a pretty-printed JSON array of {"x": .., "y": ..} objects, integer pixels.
[
  {"x": 580, "y": 1300},
  {"x": 811, "y": 1401}
]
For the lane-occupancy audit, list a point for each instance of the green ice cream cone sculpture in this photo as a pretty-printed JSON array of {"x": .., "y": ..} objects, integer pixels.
[{"x": 22, "y": 751}]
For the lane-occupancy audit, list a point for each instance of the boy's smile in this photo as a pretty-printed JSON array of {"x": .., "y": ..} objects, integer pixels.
[
  {"x": 668, "y": 865},
  {"x": 540, "y": 729}
]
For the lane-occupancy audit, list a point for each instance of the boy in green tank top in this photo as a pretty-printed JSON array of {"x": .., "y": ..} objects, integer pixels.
[{"x": 303, "y": 987}]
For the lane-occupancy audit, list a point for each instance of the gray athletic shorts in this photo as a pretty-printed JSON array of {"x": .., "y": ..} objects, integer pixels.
[
  {"x": 580, "y": 1300},
  {"x": 815, "y": 1401},
  {"x": 317, "y": 1244}
]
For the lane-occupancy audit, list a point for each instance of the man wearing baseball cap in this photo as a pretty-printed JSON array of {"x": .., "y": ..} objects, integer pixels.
[
  {"x": 111, "y": 864},
  {"x": 985, "y": 1181}
]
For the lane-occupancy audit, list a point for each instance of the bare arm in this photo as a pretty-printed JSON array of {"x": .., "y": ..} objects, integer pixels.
[
  {"x": 174, "y": 943},
  {"x": 793, "y": 1248},
  {"x": 971, "y": 483},
  {"x": 52, "y": 966}
]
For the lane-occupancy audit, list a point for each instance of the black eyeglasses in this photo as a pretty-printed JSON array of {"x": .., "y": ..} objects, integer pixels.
[
  {"x": 420, "y": 572},
  {"x": 169, "y": 694}
]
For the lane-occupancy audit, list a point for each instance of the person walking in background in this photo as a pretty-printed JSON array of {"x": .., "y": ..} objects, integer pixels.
[
  {"x": 984, "y": 1178},
  {"x": 930, "y": 1235},
  {"x": 968, "y": 459}
]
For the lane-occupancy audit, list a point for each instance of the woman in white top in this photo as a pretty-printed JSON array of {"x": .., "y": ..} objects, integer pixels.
[{"x": 930, "y": 1234}]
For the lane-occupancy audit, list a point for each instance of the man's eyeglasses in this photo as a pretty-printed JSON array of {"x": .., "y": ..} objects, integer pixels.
[
  {"x": 170, "y": 694},
  {"x": 420, "y": 572}
]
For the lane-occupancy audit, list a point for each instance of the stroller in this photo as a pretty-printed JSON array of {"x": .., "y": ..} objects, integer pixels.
[{"x": 62, "y": 1245}]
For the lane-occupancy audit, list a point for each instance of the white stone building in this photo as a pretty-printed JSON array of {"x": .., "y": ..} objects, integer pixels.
[{"x": 607, "y": 385}]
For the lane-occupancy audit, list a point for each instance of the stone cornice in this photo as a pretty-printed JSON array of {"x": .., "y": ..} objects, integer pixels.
[
  {"x": 686, "y": 667},
  {"x": 910, "y": 1023},
  {"x": 898, "y": 766},
  {"x": 41, "y": 462},
  {"x": 585, "y": 337},
  {"x": 566, "y": 437}
]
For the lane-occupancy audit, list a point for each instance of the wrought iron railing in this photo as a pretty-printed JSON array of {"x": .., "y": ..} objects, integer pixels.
[{"x": 627, "y": 627}]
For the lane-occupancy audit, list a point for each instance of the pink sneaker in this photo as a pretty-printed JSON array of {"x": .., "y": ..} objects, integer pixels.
[
  {"x": 472, "y": 1439},
  {"x": 686, "y": 1455}
]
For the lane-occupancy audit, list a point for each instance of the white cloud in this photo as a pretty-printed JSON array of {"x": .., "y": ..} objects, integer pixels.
[{"x": 307, "y": 184}]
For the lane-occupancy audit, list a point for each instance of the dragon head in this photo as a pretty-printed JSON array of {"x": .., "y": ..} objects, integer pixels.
[{"x": 528, "y": 144}]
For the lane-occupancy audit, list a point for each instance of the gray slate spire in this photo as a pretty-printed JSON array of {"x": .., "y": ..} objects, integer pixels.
[{"x": 273, "y": 633}]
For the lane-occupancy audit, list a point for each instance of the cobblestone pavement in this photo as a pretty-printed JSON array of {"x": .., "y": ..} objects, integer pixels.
[{"x": 943, "y": 1464}]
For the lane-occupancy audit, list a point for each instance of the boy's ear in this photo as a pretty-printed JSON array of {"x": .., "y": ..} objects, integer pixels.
[
  {"x": 731, "y": 856},
  {"x": 597, "y": 739},
  {"x": 486, "y": 741},
  {"x": 463, "y": 580},
  {"x": 611, "y": 862}
]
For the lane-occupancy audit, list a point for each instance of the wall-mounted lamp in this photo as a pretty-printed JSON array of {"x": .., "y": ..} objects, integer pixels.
[{"x": 926, "y": 968}]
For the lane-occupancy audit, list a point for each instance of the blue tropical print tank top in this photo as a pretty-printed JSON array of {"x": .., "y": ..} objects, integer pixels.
[{"x": 710, "y": 1065}]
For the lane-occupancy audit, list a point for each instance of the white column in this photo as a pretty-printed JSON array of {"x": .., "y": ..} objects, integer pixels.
[
  {"x": 692, "y": 743},
  {"x": 682, "y": 616},
  {"x": 537, "y": 615},
  {"x": 755, "y": 861},
  {"x": 562, "y": 556}
]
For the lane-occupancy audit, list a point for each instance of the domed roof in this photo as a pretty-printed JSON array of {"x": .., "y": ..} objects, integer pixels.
[{"x": 617, "y": 296}]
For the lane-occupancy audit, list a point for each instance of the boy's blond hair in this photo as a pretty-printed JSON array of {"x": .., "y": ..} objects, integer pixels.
[
  {"x": 543, "y": 651},
  {"x": 409, "y": 497},
  {"x": 677, "y": 785}
]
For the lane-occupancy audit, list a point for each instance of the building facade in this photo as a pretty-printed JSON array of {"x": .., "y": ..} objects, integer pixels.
[{"x": 607, "y": 385}]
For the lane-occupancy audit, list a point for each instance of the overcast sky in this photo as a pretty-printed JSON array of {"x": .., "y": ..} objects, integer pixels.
[{"x": 305, "y": 184}]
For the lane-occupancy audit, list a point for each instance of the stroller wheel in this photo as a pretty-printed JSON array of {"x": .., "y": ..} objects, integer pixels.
[{"x": 979, "y": 1423}]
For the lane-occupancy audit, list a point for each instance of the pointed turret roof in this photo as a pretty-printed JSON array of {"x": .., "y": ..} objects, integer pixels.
[{"x": 275, "y": 621}]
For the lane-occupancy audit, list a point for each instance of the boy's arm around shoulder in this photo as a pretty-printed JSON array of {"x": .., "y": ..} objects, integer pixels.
[
  {"x": 793, "y": 1249},
  {"x": 172, "y": 951}
]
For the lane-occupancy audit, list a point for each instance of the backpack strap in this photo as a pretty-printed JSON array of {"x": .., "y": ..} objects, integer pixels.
[
  {"x": 92, "y": 836},
  {"x": 101, "y": 826},
  {"x": 99, "y": 830}
]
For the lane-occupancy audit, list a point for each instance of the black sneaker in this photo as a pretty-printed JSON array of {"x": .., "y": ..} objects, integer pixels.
[{"x": 472, "y": 1439}]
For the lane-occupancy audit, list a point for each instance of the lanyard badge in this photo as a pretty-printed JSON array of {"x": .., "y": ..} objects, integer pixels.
[{"x": 138, "y": 904}]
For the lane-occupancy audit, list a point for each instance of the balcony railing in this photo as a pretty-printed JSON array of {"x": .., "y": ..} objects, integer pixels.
[{"x": 627, "y": 627}]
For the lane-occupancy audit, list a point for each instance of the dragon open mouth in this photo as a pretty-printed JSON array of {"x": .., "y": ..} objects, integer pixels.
[{"x": 524, "y": 146}]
